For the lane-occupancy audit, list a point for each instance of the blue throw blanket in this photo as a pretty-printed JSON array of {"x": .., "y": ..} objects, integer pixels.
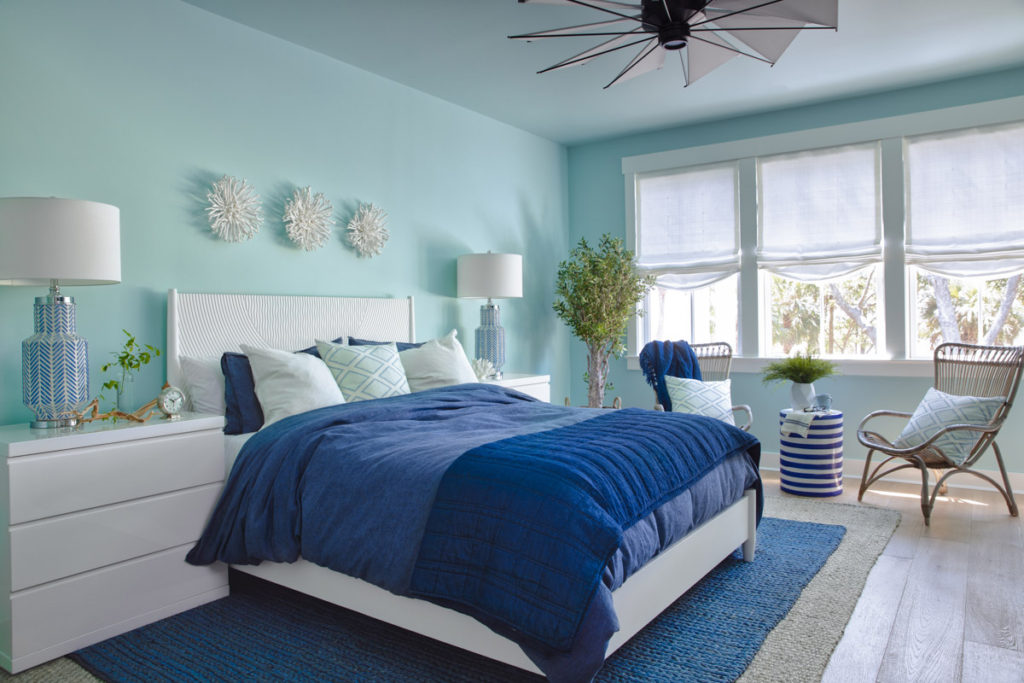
[
  {"x": 660, "y": 358},
  {"x": 521, "y": 529}
]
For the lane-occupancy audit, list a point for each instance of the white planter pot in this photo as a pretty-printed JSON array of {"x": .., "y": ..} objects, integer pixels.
[{"x": 801, "y": 395}]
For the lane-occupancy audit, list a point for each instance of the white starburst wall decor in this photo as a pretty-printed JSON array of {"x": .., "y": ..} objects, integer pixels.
[
  {"x": 235, "y": 213},
  {"x": 307, "y": 218},
  {"x": 366, "y": 231}
]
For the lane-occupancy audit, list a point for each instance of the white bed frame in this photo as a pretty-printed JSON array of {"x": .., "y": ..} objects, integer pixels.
[{"x": 206, "y": 325}]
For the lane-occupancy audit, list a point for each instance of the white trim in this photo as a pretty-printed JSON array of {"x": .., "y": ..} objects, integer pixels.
[
  {"x": 854, "y": 468},
  {"x": 981, "y": 114}
]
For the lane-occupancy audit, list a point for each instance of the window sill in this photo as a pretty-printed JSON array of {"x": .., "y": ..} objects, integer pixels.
[{"x": 853, "y": 367}]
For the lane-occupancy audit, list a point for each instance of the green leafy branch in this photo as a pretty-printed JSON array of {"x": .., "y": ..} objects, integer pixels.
[{"x": 130, "y": 358}]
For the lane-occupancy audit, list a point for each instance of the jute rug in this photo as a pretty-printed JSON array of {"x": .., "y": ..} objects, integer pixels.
[{"x": 797, "y": 649}]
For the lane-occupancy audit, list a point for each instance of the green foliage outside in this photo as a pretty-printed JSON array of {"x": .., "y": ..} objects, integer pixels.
[
  {"x": 597, "y": 291},
  {"x": 799, "y": 369},
  {"x": 129, "y": 359},
  {"x": 989, "y": 312}
]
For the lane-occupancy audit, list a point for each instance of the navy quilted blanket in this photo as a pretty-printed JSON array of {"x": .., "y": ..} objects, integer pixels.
[{"x": 522, "y": 528}]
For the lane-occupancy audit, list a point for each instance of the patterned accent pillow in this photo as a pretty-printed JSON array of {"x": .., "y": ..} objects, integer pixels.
[
  {"x": 937, "y": 410},
  {"x": 365, "y": 372},
  {"x": 713, "y": 399}
]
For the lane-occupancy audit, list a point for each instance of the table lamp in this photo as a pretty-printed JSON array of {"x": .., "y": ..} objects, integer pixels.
[
  {"x": 490, "y": 276},
  {"x": 45, "y": 241}
]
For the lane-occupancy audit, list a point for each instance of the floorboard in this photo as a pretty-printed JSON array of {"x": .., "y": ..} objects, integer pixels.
[{"x": 944, "y": 602}]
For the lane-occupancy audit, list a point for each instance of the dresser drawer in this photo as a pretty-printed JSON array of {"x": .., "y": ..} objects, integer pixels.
[
  {"x": 80, "y": 478},
  {"x": 70, "y": 544},
  {"x": 90, "y": 607}
]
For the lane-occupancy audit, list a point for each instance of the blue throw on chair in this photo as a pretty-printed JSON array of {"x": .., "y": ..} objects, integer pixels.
[{"x": 660, "y": 358}]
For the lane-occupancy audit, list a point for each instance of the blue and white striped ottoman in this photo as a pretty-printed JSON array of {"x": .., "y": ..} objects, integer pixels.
[{"x": 812, "y": 465}]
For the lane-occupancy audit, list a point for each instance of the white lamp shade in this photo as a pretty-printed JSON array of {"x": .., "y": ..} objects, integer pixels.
[
  {"x": 490, "y": 276},
  {"x": 73, "y": 241}
]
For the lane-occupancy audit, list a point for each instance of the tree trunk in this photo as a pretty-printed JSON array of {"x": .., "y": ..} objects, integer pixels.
[
  {"x": 855, "y": 314},
  {"x": 1004, "y": 310},
  {"x": 597, "y": 375},
  {"x": 944, "y": 308}
]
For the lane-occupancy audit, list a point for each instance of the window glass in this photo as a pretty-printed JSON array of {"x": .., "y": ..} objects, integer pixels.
[
  {"x": 969, "y": 310},
  {"x": 839, "y": 317},
  {"x": 705, "y": 314}
]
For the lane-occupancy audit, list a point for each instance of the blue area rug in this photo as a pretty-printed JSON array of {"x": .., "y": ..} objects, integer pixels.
[{"x": 263, "y": 632}]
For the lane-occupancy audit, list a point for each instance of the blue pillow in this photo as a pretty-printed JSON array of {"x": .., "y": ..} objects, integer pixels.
[
  {"x": 402, "y": 346},
  {"x": 242, "y": 410}
]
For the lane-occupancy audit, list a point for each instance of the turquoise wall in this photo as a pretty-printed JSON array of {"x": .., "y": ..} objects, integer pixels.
[
  {"x": 143, "y": 103},
  {"x": 597, "y": 205}
]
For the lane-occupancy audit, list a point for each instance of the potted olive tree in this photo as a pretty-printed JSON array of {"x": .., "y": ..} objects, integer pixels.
[
  {"x": 803, "y": 372},
  {"x": 597, "y": 292}
]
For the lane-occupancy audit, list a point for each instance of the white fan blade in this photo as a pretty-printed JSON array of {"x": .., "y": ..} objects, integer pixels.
[
  {"x": 587, "y": 55},
  {"x": 603, "y": 4},
  {"x": 704, "y": 54},
  {"x": 770, "y": 37},
  {"x": 582, "y": 29},
  {"x": 820, "y": 12},
  {"x": 646, "y": 61}
]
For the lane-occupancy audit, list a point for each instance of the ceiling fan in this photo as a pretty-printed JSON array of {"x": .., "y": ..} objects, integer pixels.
[{"x": 704, "y": 33}]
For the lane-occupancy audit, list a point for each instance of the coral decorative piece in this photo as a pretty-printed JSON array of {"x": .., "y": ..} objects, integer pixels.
[
  {"x": 484, "y": 369},
  {"x": 366, "y": 231},
  {"x": 234, "y": 211},
  {"x": 307, "y": 217}
]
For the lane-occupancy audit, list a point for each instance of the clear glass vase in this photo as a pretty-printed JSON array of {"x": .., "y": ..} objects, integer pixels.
[{"x": 126, "y": 394}]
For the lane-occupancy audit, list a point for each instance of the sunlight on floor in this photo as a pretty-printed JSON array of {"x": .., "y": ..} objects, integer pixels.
[{"x": 917, "y": 496}]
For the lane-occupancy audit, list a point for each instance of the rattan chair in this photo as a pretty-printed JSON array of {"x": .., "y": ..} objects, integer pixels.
[
  {"x": 964, "y": 370},
  {"x": 715, "y": 360}
]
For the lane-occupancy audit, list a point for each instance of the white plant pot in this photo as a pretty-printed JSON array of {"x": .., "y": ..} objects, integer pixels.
[{"x": 801, "y": 395}]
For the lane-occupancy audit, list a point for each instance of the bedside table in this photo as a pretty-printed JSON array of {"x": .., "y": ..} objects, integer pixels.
[
  {"x": 97, "y": 523},
  {"x": 538, "y": 386}
]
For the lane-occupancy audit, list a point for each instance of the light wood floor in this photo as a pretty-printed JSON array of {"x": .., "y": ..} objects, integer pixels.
[{"x": 943, "y": 603}]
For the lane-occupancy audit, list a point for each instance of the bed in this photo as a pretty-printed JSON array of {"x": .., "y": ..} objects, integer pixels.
[{"x": 207, "y": 325}]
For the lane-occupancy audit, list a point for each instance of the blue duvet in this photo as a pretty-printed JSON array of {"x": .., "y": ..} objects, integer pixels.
[{"x": 353, "y": 488}]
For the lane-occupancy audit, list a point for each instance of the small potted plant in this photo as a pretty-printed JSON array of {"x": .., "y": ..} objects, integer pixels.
[
  {"x": 129, "y": 359},
  {"x": 803, "y": 372}
]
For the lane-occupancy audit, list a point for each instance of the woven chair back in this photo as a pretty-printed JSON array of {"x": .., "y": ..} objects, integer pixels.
[
  {"x": 715, "y": 360},
  {"x": 972, "y": 370}
]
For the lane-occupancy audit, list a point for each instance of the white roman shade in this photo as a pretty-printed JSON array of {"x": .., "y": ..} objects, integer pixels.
[
  {"x": 965, "y": 201},
  {"x": 819, "y": 212},
  {"x": 687, "y": 229}
]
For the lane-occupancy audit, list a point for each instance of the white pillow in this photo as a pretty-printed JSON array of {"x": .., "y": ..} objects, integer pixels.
[
  {"x": 365, "y": 372},
  {"x": 290, "y": 383},
  {"x": 937, "y": 410},
  {"x": 204, "y": 384},
  {"x": 438, "y": 363},
  {"x": 713, "y": 399}
]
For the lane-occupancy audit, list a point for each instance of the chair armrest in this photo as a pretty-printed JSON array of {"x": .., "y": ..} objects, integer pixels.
[
  {"x": 659, "y": 408},
  {"x": 742, "y": 408},
  {"x": 882, "y": 413}
]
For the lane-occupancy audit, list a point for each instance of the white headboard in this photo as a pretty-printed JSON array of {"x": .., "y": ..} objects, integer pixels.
[{"x": 206, "y": 325}]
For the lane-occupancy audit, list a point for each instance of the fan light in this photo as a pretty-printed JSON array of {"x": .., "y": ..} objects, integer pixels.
[{"x": 712, "y": 31}]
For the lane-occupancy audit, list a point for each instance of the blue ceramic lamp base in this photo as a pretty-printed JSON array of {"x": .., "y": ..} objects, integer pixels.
[
  {"x": 54, "y": 364},
  {"x": 490, "y": 337}
]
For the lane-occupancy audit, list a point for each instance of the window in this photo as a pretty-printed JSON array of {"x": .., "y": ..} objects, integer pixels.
[
  {"x": 687, "y": 234},
  {"x": 819, "y": 250},
  {"x": 789, "y": 250},
  {"x": 971, "y": 310},
  {"x": 965, "y": 236},
  {"x": 701, "y": 315},
  {"x": 832, "y": 318}
]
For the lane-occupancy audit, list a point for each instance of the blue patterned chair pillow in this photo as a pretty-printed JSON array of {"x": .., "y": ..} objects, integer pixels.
[
  {"x": 939, "y": 409},
  {"x": 365, "y": 372},
  {"x": 713, "y": 399}
]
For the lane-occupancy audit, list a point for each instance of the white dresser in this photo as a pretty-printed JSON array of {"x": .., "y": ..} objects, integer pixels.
[
  {"x": 99, "y": 521},
  {"x": 538, "y": 386}
]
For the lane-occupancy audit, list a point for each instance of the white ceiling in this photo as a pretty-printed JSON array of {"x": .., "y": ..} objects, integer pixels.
[{"x": 458, "y": 50}]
